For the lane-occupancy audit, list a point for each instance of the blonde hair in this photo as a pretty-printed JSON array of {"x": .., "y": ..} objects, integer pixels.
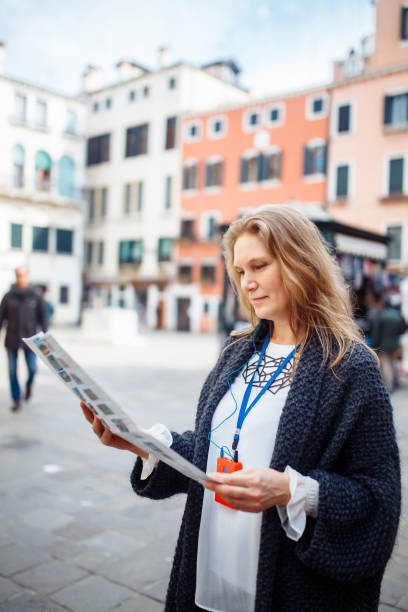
[{"x": 319, "y": 299}]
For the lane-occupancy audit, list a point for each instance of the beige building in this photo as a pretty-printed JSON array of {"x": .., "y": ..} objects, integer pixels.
[{"x": 368, "y": 159}]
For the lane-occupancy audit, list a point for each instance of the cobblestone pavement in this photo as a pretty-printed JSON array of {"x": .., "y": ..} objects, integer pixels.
[{"x": 73, "y": 536}]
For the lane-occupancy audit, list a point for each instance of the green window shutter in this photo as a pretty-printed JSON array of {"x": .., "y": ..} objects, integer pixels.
[
  {"x": 342, "y": 181},
  {"x": 396, "y": 178}
]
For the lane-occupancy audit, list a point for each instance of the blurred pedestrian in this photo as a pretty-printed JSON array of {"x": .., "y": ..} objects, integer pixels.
[
  {"x": 309, "y": 510},
  {"x": 388, "y": 326},
  {"x": 24, "y": 310}
]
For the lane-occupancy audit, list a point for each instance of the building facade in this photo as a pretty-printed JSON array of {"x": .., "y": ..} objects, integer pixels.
[
  {"x": 368, "y": 159},
  {"x": 133, "y": 178},
  {"x": 41, "y": 191},
  {"x": 270, "y": 151}
]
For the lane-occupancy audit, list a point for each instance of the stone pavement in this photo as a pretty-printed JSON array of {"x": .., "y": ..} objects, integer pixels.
[{"x": 73, "y": 536}]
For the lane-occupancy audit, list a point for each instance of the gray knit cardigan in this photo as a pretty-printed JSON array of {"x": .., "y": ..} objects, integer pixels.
[{"x": 338, "y": 429}]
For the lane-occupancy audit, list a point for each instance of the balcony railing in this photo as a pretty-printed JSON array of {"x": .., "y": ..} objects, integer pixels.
[{"x": 41, "y": 188}]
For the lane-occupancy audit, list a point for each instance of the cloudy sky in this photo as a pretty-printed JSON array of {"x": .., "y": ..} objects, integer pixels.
[{"x": 279, "y": 44}]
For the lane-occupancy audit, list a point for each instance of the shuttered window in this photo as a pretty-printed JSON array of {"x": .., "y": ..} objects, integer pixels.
[
  {"x": 343, "y": 124},
  {"x": 396, "y": 176},
  {"x": 342, "y": 177}
]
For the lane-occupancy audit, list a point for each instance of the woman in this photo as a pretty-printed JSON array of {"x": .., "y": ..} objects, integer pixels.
[{"x": 314, "y": 508}]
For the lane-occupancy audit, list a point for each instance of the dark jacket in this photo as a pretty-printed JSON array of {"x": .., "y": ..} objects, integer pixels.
[
  {"x": 336, "y": 429},
  {"x": 388, "y": 325},
  {"x": 25, "y": 312}
]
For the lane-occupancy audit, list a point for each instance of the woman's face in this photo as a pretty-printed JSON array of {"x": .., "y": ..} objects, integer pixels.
[{"x": 261, "y": 278}]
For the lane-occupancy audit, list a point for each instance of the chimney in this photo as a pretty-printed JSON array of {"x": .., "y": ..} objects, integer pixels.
[
  {"x": 129, "y": 70},
  {"x": 164, "y": 59},
  {"x": 92, "y": 79},
  {"x": 2, "y": 54}
]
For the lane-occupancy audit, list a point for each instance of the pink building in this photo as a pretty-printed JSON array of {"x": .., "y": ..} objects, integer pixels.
[{"x": 368, "y": 150}]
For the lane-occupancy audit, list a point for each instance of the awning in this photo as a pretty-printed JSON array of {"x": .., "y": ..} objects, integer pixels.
[{"x": 360, "y": 247}]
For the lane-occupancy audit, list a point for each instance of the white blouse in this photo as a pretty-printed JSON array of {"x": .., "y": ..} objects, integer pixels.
[{"x": 228, "y": 544}]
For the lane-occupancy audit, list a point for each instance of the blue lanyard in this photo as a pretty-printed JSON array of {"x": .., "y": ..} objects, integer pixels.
[{"x": 245, "y": 409}]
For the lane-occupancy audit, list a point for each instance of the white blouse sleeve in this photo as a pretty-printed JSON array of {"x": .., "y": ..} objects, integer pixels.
[
  {"x": 304, "y": 500},
  {"x": 162, "y": 434}
]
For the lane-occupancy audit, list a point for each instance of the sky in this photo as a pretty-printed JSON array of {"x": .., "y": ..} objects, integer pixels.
[{"x": 280, "y": 45}]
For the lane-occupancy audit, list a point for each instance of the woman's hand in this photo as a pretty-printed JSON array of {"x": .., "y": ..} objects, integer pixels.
[
  {"x": 107, "y": 437},
  {"x": 252, "y": 489}
]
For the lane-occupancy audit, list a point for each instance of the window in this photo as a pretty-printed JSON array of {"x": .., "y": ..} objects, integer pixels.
[
  {"x": 316, "y": 106},
  {"x": 404, "y": 23},
  {"x": 270, "y": 166},
  {"x": 88, "y": 253},
  {"x": 130, "y": 251},
  {"x": 91, "y": 204},
  {"x": 64, "y": 294},
  {"x": 190, "y": 172},
  {"x": 20, "y": 108},
  {"x": 207, "y": 274},
  {"x": 108, "y": 102},
  {"x": 101, "y": 248},
  {"x": 172, "y": 83},
  {"x": 187, "y": 229},
  {"x": 42, "y": 171},
  {"x": 394, "y": 249},
  {"x": 193, "y": 131},
  {"x": 98, "y": 149},
  {"x": 127, "y": 203},
  {"x": 251, "y": 119},
  {"x": 343, "y": 121},
  {"x": 18, "y": 166},
  {"x": 167, "y": 192},
  {"x": 140, "y": 191},
  {"x": 146, "y": 91},
  {"x": 16, "y": 237},
  {"x": 214, "y": 171},
  {"x": 396, "y": 176},
  {"x": 185, "y": 274},
  {"x": 41, "y": 114},
  {"x": 264, "y": 167},
  {"x": 64, "y": 241},
  {"x": 95, "y": 107},
  {"x": 133, "y": 198},
  {"x": 210, "y": 228},
  {"x": 314, "y": 159},
  {"x": 40, "y": 238},
  {"x": 66, "y": 177},
  {"x": 396, "y": 110},
  {"x": 217, "y": 126},
  {"x": 165, "y": 248},
  {"x": 136, "y": 140},
  {"x": 132, "y": 95},
  {"x": 71, "y": 125},
  {"x": 342, "y": 177},
  {"x": 275, "y": 114},
  {"x": 104, "y": 201},
  {"x": 171, "y": 125},
  {"x": 250, "y": 169}
]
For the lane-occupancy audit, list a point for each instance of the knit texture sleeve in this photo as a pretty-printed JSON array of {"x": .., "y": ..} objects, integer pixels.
[{"x": 359, "y": 495}]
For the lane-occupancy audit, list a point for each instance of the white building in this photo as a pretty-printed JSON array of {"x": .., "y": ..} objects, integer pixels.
[
  {"x": 42, "y": 161},
  {"x": 133, "y": 177}
]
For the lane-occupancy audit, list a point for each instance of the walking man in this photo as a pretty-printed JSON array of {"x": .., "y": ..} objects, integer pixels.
[
  {"x": 24, "y": 310},
  {"x": 388, "y": 326}
]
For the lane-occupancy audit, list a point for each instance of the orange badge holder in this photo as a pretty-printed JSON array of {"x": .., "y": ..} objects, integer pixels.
[{"x": 226, "y": 466}]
